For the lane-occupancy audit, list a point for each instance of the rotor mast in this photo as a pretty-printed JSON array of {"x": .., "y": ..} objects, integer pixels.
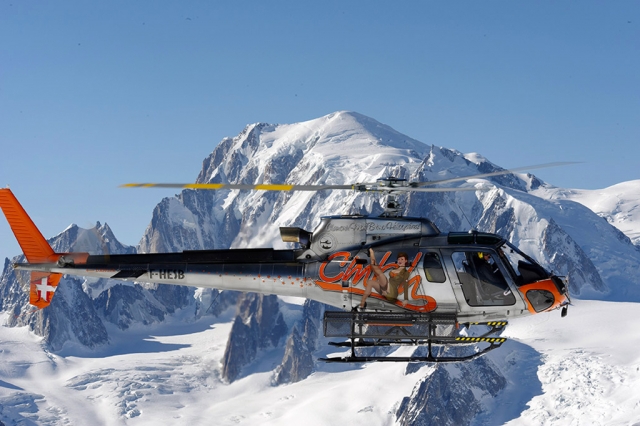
[{"x": 391, "y": 205}]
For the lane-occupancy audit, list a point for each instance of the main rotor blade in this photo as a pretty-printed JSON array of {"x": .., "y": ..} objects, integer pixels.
[
  {"x": 381, "y": 186},
  {"x": 254, "y": 187},
  {"x": 445, "y": 189},
  {"x": 364, "y": 187},
  {"x": 497, "y": 173}
]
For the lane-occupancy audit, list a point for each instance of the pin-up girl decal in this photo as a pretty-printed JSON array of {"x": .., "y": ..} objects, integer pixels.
[{"x": 388, "y": 287}]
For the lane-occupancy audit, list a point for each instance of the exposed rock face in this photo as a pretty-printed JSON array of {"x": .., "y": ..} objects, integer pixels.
[
  {"x": 80, "y": 306},
  {"x": 337, "y": 149},
  {"x": 241, "y": 349},
  {"x": 313, "y": 313},
  {"x": 567, "y": 258},
  {"x": 452, "y": 394},
  {"x": 126, "y": 304},
  {"x": 173, "y": 297},
  {"x": 189, "y": 222},
  {"x": 258, "y": 325},
  {"x": 97, "y": 240},
  {"x": 209, "y": 301},
  {"x": 14, "y": 287},
  {"x": 70, "y": 317},
  {"x": 298, "y": 360}
]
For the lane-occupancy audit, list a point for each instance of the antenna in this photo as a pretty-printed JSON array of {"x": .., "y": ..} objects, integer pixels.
[{"x": 464, "y": 215}]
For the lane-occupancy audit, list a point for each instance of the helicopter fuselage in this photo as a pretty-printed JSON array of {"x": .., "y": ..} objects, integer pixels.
[{"x": 476, "y": 277}]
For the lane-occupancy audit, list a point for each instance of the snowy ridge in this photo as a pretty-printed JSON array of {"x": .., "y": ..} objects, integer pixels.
[
  {"x": 618, "y": 204},
  {"x": 167, "y": 354},
  {"x": 554, "y": 375},
  {"x": 307, "y": 153}
]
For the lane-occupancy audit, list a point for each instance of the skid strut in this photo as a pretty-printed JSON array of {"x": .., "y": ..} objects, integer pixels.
[{"x": 438, "y": 333}]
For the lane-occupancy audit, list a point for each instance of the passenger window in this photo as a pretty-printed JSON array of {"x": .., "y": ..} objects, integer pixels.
[
  {"x": 433, "y": 268},
  {"x": 482, "y": 281}
]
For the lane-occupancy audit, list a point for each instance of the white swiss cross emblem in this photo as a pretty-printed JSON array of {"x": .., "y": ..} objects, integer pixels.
[{"x": 44, "y": 289}]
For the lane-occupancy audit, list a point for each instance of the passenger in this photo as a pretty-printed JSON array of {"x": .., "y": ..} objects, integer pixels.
[{"x": 388, "y": 287}]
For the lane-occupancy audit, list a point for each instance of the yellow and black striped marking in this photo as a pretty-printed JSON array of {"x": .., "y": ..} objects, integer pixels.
[
  {"x": 492, "y": 323},
  {"x": 481, "y": 339}
]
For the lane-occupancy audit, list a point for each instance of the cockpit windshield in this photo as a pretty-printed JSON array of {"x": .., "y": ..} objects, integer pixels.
[{"x": 523, "y": 269}]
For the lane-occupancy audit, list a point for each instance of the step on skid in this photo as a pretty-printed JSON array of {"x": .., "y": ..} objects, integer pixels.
[{"x": 438, "y": 333}]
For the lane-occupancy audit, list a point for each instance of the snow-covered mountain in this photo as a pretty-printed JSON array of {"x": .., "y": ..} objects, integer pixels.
[
  {"x": 196, "y": 355},
  {"x": 618, "y": 204},
  {"x": 346, "y": 147}
]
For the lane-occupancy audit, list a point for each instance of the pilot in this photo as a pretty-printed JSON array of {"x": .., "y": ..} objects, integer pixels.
[
  {"x": 489, "y": 273},
  {"x": 487, "y": 264},
  {"x": 388, "y": 287}
]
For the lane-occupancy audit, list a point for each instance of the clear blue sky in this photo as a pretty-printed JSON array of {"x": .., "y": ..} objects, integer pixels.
[{"x": 94, "y": 94}]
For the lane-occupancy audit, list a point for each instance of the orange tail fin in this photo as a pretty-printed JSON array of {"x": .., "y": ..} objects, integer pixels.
[{"x": 34, "y": 246}]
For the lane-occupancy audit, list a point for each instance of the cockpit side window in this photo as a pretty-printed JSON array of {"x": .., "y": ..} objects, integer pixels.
[
  {"x": 482, "y": 281},
  {"x": 523, "y": 269},
  {"x": 433, "y": 268}
]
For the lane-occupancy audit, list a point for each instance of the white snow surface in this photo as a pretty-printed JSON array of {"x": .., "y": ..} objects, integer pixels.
[
  {"x": 590, "y": 365},
  {"x": 580, "y": 370},
  {"x": 618, "y": 204}
]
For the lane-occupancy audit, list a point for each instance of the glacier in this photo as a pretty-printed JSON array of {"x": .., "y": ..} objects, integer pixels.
[{"x": 127, "y": 354}]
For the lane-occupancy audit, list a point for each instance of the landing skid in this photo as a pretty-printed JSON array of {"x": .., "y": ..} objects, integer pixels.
[{"x": 437, "y": 333}]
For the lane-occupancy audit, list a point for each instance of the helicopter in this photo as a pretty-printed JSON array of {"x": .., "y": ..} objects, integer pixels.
[{"x": 450, "y": 281}]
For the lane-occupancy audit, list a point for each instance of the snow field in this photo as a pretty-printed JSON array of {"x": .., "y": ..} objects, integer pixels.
[
  {"x": 590, "y": 371},
  {"x": 173, "y": 378},
  {"x": 580, "y": 370}
]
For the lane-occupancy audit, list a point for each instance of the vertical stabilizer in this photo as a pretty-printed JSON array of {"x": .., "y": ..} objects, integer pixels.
[{"x": 34, "y": 246}]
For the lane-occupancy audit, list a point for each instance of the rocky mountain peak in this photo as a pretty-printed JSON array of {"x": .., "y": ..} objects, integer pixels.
[{"x": 343, "y": 147}]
